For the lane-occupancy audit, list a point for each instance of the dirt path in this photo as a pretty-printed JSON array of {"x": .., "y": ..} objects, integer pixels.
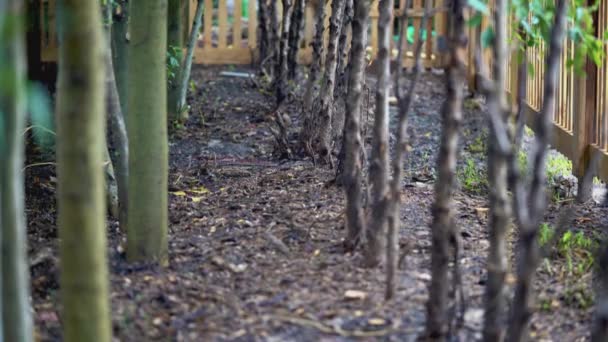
[{"x": 255, "y": 244}]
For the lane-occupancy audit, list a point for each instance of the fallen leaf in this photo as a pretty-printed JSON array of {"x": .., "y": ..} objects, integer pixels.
[
  {"x": 355, "y": 294},
  {"x": 179, "y": 193},
  {"x": 376, "y": 321}
]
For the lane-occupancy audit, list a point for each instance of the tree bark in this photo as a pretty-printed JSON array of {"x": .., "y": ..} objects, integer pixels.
[
  {"x": 600, "y": 326},
  {"x": 274, "y": 38},
  {"x": 120, "y": 45},
  {"x": 295, "y": 35},
  {"x": 500, "y": 211},
  {"x": 147, "y": 132},
  {"x": 81, "y": 206},
  {"x": 379, "y": 167},
  {"x": 530, "y": 209},
  {"x": 443, "y": 228},
  {"x": 326, "y": 106},
  {"x": 182, "y": 106},
  {"x": 264, "y": 42},
  {"x": 282, "y": 62},
  {"x": 314, "y": 74},
  {"x": 355, "y": 223},
  {"x": 16, "y": 322},
  {"x": 119, "y": 140},
  {"x": 175, "y": 37}
]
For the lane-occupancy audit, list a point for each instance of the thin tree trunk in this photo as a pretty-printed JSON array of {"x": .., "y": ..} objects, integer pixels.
[
  {"x": 119, "y": 140},
  {"x": 264, "y": 42},
  {"x": 500, "y": 211},
  {"x": 295, "y": 35},
  {"x": 81, "y": 218},
  {"x": 443, "y": 228},
  {"x": 120, "y": 44},
  {"x": 182, "y": 107},
  {"x": 325, "y": 115},
  {"x": 16, "y": 319},
  {"x": 340, "y": 91},
  {"x": 531, "y": 211},
  {"x": 282, "y": 66},
  {"x": 313, "y": 78},
  {"x": 343, "y": 51},
  {"x": 355, "y": 223},
  {"x": 274, "y": 38},
  {"x": 147, "y": 131},
  {"x": 401, "y": 141},
  {"x": 111, "y": 182},
  {"x": 175, "y": 37},
  {"x": 379, "y": 167},
  {"x": 599, "y": 332}
]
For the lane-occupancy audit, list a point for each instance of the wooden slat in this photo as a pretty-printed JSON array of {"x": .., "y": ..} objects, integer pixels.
[
  {"x": 373, "y": 22},
  {"x": 236, "y": 25},
  {"x": 208, "y": 24},
  {"x": 252, "y": 30},
  {"x": 220, "y": 56},
  {"x": 440, "y": 20},
  {"x": 222, "y": 24},
  {"x": 48, "y": 44}
]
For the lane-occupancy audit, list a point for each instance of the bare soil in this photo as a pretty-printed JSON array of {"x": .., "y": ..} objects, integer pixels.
[{"x": 255, "y": 242}]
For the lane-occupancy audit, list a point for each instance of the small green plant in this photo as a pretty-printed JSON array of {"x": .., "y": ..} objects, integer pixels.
[
  {"x": 174, "y": 57},
  {"x": 478, "y": 145},
  {"x": 557, "y": 165},
  {"x": 528, "y": 131},
  {"x": 522, "y": 161},
  {"x": 576, "y": 248},
  {"x": 545, "y": 234},
  {"x": 472, "y": 177}
]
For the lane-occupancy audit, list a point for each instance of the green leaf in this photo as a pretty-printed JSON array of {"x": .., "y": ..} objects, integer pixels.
[
  {"x": 475, "y": 20},
  {"x": 479, "y": 6},
  {"x": 487, "y": 37},
  {"x": 41, "y": 116}
]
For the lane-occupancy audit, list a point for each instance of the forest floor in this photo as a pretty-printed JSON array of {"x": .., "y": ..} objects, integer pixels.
[{"x": 255, "y": 242}]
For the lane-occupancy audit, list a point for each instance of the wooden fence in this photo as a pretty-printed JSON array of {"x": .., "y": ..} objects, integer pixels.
[{"x": 229, "y": 36}]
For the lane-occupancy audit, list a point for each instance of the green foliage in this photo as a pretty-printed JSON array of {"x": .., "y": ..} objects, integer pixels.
[
  {"x": 576, "y": 248},
  {"x": 534, "y": 20},
  {"x": 522, "y": 161},
  {"x": 558, "y": 165},
  {"x": 174, "y": 57},
  {"x": 478, "y": 145},
  {"x": 472, "y": 178}
]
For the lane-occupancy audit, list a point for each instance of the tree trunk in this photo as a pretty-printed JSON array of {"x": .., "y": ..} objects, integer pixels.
[
  {"x": 343, "y": 51},
  {"x": 175, "y": 37},
  {"x": 282, "y": 67},
  {"x": 274, "y": 38},
  {"x": 355, "y": 223},
  {"x": 80, "y": 142},
  {"x": 184, "y": 73},
  {"x": 600, "y": 326},
  {"x": 378, "y": 171},
  {"x": 295, "y": 35},
  {"x": 443, "y": 227},
  {"x": 326, "y": 106},
  {"x": 530, "y": 210},
  {"x": 119, "y": 138},
  {"x": 264, "y": 42},
  {"x": 500, "y": 211},
  {"x": 147, "y": 131},
  {"x": 308, "y": 126},
  {"x": 16, "y": 319},
  {"x": 120, "y": 44},
  {"x": 404, "y": 103}
]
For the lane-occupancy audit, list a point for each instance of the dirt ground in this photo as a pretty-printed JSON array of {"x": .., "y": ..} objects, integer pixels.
[{"x": 255, "y": 242}]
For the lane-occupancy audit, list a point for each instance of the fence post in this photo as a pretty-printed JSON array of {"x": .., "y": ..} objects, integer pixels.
[{"x": 584, "y": 109}]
